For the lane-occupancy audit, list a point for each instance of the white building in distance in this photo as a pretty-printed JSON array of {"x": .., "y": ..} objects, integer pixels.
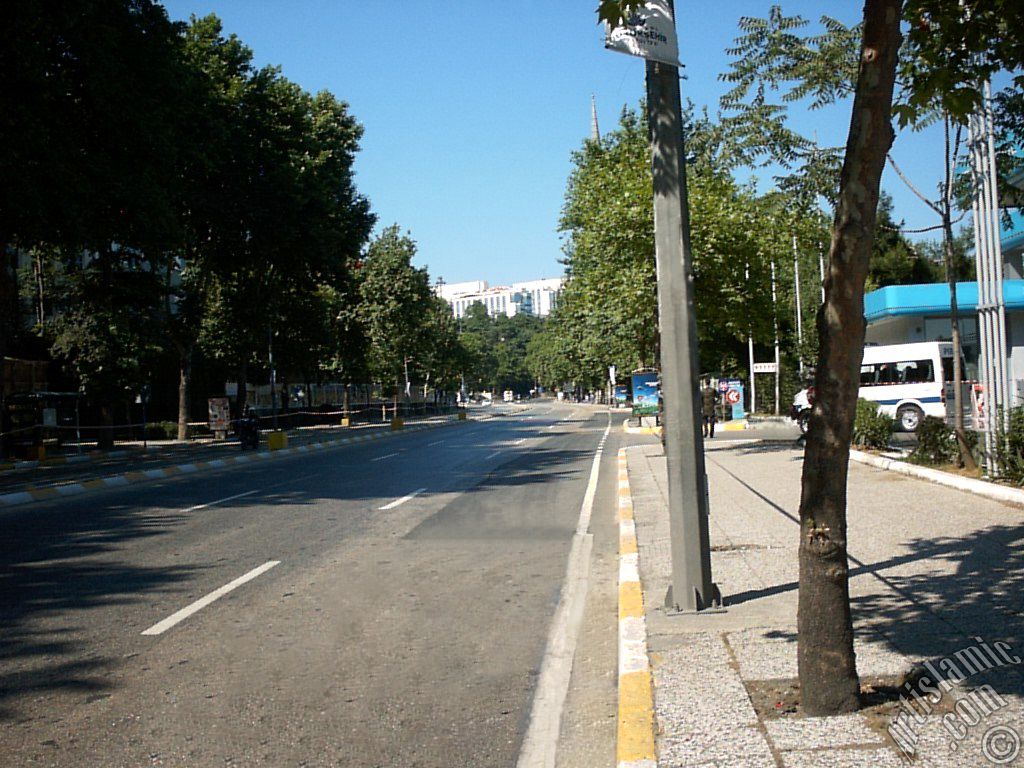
[{"x": 534, "y": 297}]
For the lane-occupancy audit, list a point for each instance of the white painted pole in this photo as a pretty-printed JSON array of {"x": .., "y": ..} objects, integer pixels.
[
  {"x": 750, "y": 352},
  {"x": 775, "y": 315},
  {"x": 799, "y": 311}
]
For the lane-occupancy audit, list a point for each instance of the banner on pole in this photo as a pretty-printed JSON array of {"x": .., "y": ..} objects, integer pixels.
[{"x": 649, "y": 33}]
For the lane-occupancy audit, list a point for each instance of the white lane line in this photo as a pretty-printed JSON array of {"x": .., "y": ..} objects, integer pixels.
[
  {"x": 520, "y": 441},
  {"x": 552, "y": 426},
  {"x": 385, "y": 456},
  {"x": 160, "y": 627},
  {"x": 404, "y": 499},
  {"x": 491, "y": 455},
  {"x": 219, "y": 501},
  {"x": 436, "y": 442}
]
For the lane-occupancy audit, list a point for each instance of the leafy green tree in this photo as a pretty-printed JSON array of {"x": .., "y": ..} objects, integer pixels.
[
  {"x": 479, "y": 339},
  {"x": 395, "y": 299},
  {"x": 442, "y": 356},
  {"x": 102, "y": 329},
  {"x": 894, "y": 259},
  {"x": 607, "y": 314}
]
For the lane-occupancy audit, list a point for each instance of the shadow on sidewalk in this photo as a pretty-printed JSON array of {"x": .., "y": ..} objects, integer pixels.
[{"x": 972, "y": 591}]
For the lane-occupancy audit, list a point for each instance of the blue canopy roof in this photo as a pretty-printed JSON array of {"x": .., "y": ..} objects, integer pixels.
[{"x": 933, "y": 299}]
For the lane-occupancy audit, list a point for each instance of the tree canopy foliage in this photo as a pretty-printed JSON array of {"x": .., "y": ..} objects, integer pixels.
[{"x": 181, "y": 204}]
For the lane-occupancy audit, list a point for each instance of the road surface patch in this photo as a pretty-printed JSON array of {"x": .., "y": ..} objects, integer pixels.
[{"x": 540, "y": 745}]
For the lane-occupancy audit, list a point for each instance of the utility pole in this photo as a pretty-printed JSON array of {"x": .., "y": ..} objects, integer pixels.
[
  {"x": 821, "y": 271},
  {"x": 775, "y": 319},
  {"x": 989, "y": 266},
  {"x": 692, "y": 587},
  {"x": 750, "y": 350},
  {"x": 273, "y": 375}
]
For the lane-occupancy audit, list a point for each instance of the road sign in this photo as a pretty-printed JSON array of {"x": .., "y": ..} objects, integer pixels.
[
  {"x": 220, "y": 415},
  {"x": 764, "y": 367},
  {"x": 732, "y": 397},
  {"x": 649, "y": 33}
]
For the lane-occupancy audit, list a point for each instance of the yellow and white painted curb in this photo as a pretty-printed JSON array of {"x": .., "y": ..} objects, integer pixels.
[
  {"x": 30, "y": 495},
  {"x": 736, "y": 425},
  {"x": 631, "y": 430},
  {"x": 635, "y": 736}
]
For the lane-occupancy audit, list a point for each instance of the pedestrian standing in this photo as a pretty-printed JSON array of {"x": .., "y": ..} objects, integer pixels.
[{"x": 708, "y": 407}]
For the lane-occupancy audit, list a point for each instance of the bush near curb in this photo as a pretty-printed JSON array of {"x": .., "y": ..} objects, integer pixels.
[
  {"x": 1010, "y": 446},
  {"x": 936, "y": 443},
  {"x": 871, "y": 428}
]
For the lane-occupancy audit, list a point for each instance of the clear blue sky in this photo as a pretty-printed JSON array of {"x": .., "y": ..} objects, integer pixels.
[{"x": 472, "y": 108}]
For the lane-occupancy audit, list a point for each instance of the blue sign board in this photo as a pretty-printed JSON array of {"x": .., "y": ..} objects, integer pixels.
[{"x": 645, "y": 393}]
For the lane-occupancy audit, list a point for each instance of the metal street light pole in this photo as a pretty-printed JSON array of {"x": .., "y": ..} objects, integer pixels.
[{"x": 692, "y": 587}]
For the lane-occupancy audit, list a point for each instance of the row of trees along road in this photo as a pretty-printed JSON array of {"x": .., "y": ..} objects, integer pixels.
[
  {"x": 186, "y": 210},
  {"x": 949, "y": 50}
]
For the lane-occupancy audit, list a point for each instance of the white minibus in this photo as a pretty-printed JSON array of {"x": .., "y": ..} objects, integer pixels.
[{"x": 907, "y": 380}]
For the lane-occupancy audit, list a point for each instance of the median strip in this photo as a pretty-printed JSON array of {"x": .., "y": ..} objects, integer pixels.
[{"x": 132, "y": 477}]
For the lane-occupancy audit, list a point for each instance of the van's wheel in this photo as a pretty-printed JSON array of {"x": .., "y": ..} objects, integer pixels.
[{"x": 909, "y": 417}]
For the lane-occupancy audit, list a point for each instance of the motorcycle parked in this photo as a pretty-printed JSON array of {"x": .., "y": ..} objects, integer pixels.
[
  {"x": 800, "y": 412},
  {"x": 248, "y": 430}
]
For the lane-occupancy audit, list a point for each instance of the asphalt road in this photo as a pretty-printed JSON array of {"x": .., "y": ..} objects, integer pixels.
[{"x": 389, "y": 604}]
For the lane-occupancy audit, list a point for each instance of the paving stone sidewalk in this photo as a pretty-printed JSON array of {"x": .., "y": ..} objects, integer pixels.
[{"x": 933, "y": 571}]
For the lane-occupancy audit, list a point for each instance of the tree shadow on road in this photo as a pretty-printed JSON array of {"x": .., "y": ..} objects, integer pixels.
[{"x": 54, "y": 566}]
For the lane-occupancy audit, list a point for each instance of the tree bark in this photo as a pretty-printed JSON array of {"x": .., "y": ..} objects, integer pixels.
[
  {"x": 184, "y": 379},
  {"x": 826, "y": 659}
]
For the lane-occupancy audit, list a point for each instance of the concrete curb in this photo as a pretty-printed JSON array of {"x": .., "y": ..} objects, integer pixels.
[
  {"x": 634, "y": 743},
  {"x": 134, "y": 477},
  {"x": 970, "y": 485}
]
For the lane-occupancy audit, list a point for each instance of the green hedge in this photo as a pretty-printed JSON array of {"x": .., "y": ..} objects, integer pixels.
[
  {"x": 1010, "y": 446},
  {"x": 936, "y": 442},
  {"x": 871, "y": 428}
]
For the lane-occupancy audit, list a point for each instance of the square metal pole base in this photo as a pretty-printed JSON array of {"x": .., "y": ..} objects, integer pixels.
[{"x": 714, "y": 607}]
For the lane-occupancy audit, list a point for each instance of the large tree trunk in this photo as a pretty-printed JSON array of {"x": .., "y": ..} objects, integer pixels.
[
  {"x": 827, "y": 664},
  {"x": 184, "y": 377}
]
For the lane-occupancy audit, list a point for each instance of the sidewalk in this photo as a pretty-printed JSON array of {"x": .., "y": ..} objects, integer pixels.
[{"x": 934, "y": 571}]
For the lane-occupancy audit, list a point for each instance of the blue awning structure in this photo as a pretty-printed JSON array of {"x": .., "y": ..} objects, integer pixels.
[{"x": 933, "y": 299}]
